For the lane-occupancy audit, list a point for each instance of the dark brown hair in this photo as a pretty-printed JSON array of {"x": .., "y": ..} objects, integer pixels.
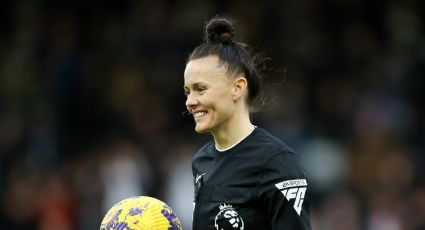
[{"x": 235, "y": 56}]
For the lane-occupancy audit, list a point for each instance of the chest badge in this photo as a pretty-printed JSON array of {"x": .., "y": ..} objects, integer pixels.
[
  {"x": 199, "y": 177},
  {"x": 199, "y": 182},
  {"x": 227, "y": 218}
]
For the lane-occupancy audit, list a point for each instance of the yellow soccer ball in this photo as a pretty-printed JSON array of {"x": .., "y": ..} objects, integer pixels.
[{"x": 140, "y": 213}]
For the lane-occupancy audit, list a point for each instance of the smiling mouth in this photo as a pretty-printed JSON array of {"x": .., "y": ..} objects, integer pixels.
[{"x": 199, "y": 115}]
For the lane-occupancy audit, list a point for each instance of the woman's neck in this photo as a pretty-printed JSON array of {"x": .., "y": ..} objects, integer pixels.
[{"x": 233, "y": 131}]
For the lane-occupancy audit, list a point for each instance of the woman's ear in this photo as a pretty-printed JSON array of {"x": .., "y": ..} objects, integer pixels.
[{"x": 240, "y": 85}]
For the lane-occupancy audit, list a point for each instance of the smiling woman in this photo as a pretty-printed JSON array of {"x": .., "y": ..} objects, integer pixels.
[
  {"x": 245, "y": 177},
  {"x": 216, "y": 101}
]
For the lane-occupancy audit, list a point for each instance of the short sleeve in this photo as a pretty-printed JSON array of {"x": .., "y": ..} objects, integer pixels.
[{"x": 284, "y": 192}]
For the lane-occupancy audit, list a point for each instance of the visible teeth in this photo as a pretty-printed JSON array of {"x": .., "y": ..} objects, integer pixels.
[{"x": 199, "y": 114}]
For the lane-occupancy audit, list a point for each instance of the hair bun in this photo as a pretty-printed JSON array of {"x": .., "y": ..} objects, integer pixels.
[{"x": 219, "y": 30}]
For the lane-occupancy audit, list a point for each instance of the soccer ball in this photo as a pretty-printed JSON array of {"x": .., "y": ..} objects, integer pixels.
[{"x": 140, "y": 213}]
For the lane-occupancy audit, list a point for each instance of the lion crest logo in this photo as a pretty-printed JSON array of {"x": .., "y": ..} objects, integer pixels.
[{"x": 227, "y": 218}]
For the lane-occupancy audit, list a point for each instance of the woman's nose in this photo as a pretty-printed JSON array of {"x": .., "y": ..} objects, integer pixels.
[{"x": 191, "y": 101}]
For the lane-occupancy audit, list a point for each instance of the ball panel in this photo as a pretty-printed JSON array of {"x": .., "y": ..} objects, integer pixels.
[{"x": 140, "y": 213}]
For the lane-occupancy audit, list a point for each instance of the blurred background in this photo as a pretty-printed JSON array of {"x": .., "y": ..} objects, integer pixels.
[{"x": 91, "y": 105}]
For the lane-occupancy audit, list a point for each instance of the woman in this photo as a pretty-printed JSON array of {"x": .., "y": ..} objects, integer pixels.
[{"x": 245, "y": 178}]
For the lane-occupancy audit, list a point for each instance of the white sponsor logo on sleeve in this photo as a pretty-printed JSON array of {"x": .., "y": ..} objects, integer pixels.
[{"x": 294, "y": 189}]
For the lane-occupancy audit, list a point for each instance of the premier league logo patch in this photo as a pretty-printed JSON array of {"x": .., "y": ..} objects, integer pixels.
[{"x": 227, "y": 218}]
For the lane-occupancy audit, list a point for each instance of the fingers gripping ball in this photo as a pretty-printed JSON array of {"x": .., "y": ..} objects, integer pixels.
[{"x": 140, "y": 213}]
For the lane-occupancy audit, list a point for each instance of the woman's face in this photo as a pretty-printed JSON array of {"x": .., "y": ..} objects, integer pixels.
[{"x": 209, "y": 93}]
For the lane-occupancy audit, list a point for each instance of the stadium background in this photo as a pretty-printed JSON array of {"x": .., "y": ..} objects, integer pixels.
[{"x": 91, "y": 105}]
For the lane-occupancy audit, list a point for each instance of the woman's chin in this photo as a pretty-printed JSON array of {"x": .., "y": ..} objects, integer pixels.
[{"x": 200, "y": 128}]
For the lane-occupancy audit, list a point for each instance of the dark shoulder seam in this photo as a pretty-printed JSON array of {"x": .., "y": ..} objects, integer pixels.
[
  {"x": 283, "y": 147},
  {"x": 267, "y": 163}
]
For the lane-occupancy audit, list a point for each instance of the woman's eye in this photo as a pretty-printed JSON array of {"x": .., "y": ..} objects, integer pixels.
[{"x": 200, "y": 89}]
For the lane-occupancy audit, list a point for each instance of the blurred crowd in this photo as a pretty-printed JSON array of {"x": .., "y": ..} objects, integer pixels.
[{"x": 92, "y": 105}]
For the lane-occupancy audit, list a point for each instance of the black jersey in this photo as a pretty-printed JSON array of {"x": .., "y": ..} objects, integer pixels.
[{"x": 256, "y": 185}]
